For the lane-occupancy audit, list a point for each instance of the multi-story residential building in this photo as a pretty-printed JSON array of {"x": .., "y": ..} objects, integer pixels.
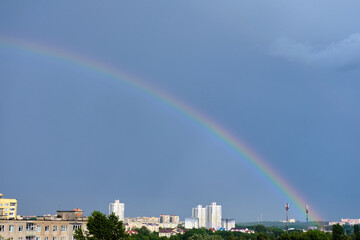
[
  {"x": 8, "y": 208},
  {"x": 118, "y": 208},
  {"x": 208, "y": 217},
  {"x": 174, "y": 219},
  {"x": 164, "y": 218},
  {"x": 168, "y": 232},
  {"x": 213, "y": 216},
  {"x": 151, "y": 223},
  {"x": 227, "y": 224},
  {"x": 57, "y": 227},
  {"x": 200, "y": 213},
  {"x": 346, "y": 221},
  {"x": 167, "y": 221},
  {"x": 191, "y": 223}
]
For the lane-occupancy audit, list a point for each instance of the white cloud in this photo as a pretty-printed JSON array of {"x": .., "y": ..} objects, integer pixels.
[{"x": 344, "y": 54}]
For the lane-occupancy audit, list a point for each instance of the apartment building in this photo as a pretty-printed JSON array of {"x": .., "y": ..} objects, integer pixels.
[
  {"x": 8, "y": 208},
  {"x": 50, "y": 227},
  {"x": 118, "y": 208}
]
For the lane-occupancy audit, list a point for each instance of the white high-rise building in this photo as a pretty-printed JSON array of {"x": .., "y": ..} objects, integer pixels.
[
  {"x": 118, "y": 208},
  {"x": 213, "y": 216},
  {"x": 200, "y": 213},
  {"x": 191, "y": 223},
  {"x": 228, "y": 224}
]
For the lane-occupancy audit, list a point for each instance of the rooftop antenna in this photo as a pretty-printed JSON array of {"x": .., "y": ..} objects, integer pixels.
[
  {"x": 307, "y": 216},
  {"x": 287, "y": 219}
]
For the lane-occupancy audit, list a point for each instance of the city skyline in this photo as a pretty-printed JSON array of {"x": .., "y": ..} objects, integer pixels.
[{"x": 168, "y": 104}]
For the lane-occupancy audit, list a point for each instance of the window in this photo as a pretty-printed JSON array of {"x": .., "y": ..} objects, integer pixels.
[
  {"x": 11, "y": 228},
  {"x": 63, "y": 238},
  {"x": 12, "y": 209},
  {"x": 12, "y": 204},
  {"x": 38, "y": 228},
  {"x": 46, "y": 238},
  {"x": 29, "y": 227},
  {"x": 63, "y": 228},
  {"x": 55, "y": 229},
  {"x": 11, "y": 214},
  {"x": 20, "y": 238},
  {"x": 77, "y": 226},
  {"x": 6, "y": 204},
  {"x": 0, "y": 204},
  {"x": 2, "y": 228},
  {"x": 21, "y": 228},
  {"x": 54, "y": 238},
  {"x": 6, "y": 209},
  {"x": 38, "y": 238},
  {"x": 47, "y": 228}
]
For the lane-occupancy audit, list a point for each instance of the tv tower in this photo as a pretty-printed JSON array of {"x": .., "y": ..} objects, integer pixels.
[
  {"x": 287, "y": 219},
  {"x": 307, "y": 216}
]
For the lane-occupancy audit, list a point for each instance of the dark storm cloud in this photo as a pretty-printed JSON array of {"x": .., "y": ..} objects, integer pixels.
[{"x": 343, "y": 54}]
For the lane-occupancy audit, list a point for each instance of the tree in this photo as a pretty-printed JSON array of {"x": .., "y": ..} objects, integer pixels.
[
  {"x": 356, "y": 235},
  {"x": 260, "y": 228},
  {"x": 100, "y": 227},
  {"x": 338, "y": 232},
  {"x": 261, "y": 236},
  {"x": 197, "y": 236}
]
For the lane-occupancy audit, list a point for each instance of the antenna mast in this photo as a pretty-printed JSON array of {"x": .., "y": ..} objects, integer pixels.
[
  {"x": 287, "y": 219},
  {"x": 307, "y": 216}
]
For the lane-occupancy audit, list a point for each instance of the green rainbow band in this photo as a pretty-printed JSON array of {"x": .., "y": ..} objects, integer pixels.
[{"x": 212, "y": 127}]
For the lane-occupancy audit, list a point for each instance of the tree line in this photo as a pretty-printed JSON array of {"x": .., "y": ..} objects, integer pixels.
[{"x": 101, "y": 227}]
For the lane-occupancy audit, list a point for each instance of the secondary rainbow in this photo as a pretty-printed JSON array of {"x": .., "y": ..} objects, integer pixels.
[{"x": 211, "y": 126}]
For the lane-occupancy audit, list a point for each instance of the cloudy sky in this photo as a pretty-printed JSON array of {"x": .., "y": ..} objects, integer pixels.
[{"x": 282, "y": 76}]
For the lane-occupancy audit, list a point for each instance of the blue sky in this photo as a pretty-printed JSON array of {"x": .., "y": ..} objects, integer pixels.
[{"x": 281, "y": 76}]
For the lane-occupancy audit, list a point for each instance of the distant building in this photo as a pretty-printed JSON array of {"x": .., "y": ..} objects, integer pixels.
[
  {"x": 151, "y": 223},
  {"x": 242, "y": 230},
  {"x": 191, "y": 223},
  {"x": 168, "y": 232},
  {"x": 213, "y": 216},
  {"x": 174, "y": 219},
  {"x": 200, "y": 213},
  {"x": 164, "y": 218},
  {"x": 118, "y": 208},
  {"x": 345, "y": 221},
  {"x": 208, "y": 217},
  {"x": 8, "y": 208},
  {"x": 227, "y": 224},
  {"x": 167, "y": 221}
]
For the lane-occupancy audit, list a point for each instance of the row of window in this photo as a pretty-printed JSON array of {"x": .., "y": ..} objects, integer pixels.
[
  {"x": 31, "y": 227},
  {"x": 6, "y": 204},
  {"x": 34, "y": 238},
  {"x": 6, "y": 209},
  {"x": 11, "y": 214}
]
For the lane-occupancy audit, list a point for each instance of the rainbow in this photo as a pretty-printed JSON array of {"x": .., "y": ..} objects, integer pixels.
[{"x": 211, "y": 126}]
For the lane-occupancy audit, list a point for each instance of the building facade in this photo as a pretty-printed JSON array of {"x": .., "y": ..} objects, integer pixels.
[
  {"x": 227, "y": 224},
  {"x": 200, "y": 213},
  {"x": 213, "y": 216},
  {"x": 191, "y": 223},
  {"x": 42, "y": 228},
  {"x": 8, "y": 208},
  {"x": 208, "y": 217},
  {"x": 118, "y": 208}
]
